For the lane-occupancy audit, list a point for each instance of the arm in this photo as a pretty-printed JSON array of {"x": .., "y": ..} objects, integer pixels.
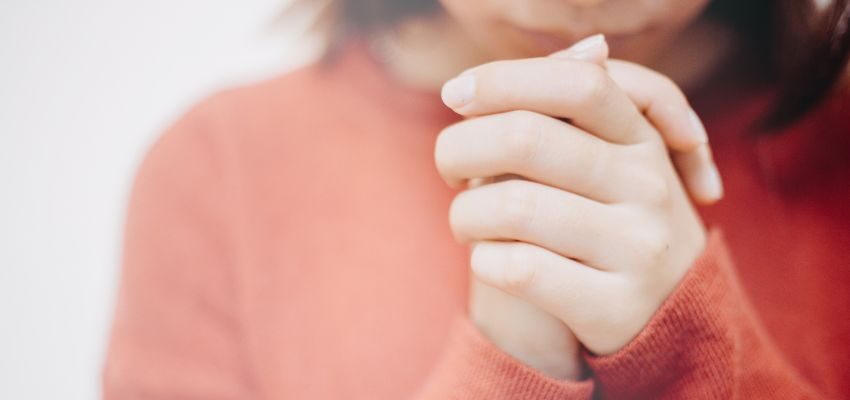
[
  {"x": 704, "y": 342},
  {"x": 175, "y": 334},
  {"x": 575, "y": 249}
]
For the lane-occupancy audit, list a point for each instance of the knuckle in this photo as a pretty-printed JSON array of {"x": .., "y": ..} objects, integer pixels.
[
  {"x": 651, "y": 244},
  {"x": 524, "y": 136},
  {"x": 651, "y": 186},
  {"x": 594, "y": 87},
  {"x": 656, "y": 190},
  {"x": 517, "y": 208},
  {"x": 520, "y": 270}
]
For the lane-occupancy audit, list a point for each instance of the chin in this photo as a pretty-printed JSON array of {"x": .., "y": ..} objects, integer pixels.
[{"x": 643, "y": 47}]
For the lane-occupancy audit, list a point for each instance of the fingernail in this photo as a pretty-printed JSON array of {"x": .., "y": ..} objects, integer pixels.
[
  {"x": 712, "y": 184},
  {"x": 581, "y": 48},
  {"x": 588, "y": 43},
  {"x": 698, "y": 128},
  {"x": 459, "y": 91}
]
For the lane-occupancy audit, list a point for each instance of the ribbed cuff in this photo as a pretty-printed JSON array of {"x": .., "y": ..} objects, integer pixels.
[
  {"x": 686, "y": 343},
  {"x": 473, "y": 368}
]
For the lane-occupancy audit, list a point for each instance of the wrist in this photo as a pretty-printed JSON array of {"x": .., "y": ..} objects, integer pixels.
[{"x": 526, "y": 333}]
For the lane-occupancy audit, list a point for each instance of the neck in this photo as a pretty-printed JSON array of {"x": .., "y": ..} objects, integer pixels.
[{"x": 425, "y": 53}]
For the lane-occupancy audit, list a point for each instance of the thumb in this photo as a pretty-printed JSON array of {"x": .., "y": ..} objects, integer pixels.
[{"x": 592, "y": 49}]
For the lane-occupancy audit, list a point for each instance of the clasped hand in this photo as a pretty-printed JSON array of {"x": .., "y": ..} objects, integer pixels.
[{"x": 588, "y": 164}]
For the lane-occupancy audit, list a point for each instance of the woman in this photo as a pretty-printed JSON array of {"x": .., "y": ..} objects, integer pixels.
[{"x": 289, "y": 239}]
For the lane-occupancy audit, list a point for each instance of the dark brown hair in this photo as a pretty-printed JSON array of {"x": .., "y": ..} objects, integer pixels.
[{"x": 801, "y": 51}]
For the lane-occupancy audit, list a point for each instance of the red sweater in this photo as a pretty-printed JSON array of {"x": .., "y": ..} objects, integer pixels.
[{"x": 289, "y": 240}]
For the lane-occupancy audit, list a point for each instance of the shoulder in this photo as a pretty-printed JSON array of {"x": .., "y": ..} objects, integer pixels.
[
  {"x": 257, "y": 105},
  {"x": 290, "y": 92},
  {"x": 224, "y": 122}
]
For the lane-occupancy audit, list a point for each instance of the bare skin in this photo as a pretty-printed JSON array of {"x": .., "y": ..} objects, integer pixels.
[{"x": 580, "y": 229}]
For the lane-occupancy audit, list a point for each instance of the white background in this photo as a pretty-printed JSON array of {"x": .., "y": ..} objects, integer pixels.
[{"x": 85, "y": 87}]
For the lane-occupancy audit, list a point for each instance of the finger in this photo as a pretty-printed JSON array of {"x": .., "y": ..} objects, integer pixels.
[
  {"x": 579, "y": 91},
  {"x": 557, "y": 284},
  {"x": 700, "y": 174},
  {"x": 593, "y": 49},
  {"x": 664, "y": 104},
  {"x": 562, "y": 222},
  {"x": 667, "y": 108},
  {"x": 537, "y": 147}
]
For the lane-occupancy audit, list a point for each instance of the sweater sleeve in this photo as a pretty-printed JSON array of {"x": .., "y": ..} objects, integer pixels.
[
  {"x": 472, "y": 368},
  {"x": 174, "y": 333},
  {"x": 704, "y": 342}
]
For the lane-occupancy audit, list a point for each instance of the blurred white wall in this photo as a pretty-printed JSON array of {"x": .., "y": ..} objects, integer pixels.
[{"x": 85, "y": 86}]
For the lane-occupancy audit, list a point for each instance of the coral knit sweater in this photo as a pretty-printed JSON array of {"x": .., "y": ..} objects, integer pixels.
[{"x": 289, "y": 239}]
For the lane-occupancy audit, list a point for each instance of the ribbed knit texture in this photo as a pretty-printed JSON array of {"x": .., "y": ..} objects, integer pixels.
[{"x": 473, "y": 368}]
